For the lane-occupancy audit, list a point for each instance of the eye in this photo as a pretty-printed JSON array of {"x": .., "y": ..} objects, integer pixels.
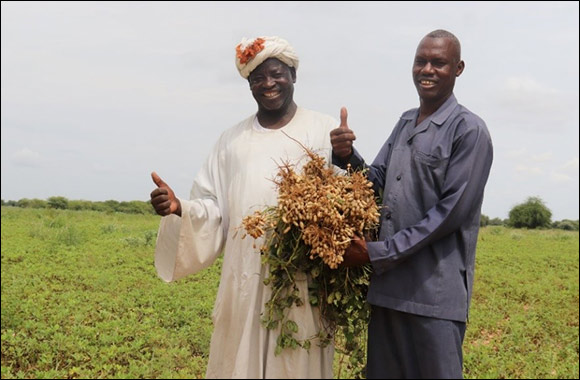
[
  {"x": 276, "y": 74},
  {"x": 255, "y": 80}
]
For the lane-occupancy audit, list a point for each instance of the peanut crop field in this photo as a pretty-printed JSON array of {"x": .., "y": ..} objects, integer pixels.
[{"x": 81, "y": 299}]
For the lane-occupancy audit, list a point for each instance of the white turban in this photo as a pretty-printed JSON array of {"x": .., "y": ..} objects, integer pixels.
[{"x": 250, "y": 53}]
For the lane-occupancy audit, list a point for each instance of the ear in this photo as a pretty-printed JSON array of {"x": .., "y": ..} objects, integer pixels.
[
  {"x": 460, "y": 68},
  {"x": 293, "y": 74}
]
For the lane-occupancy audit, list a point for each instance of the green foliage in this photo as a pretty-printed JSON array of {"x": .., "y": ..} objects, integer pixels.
[
  {"x": 307, "y": 233},
  {"x": 24, "y": 203},
  {"x": 135, "y": 207},
  {"x": 60, "y": 203},
  {"x": 112, "y": 204},
  {"x": 523, "y": 322},
  {"x": 483, "y": 220},
  {"x": 29, "y": 203},
  {"x": 79, "y": 205},
  {"x": 533, "y": 213},
  {"x": 96, "y": 308},
  {"x": 340, "y": 295},
  {"x": 566, "y": 224},
  {"x": 79, "y": 302}
]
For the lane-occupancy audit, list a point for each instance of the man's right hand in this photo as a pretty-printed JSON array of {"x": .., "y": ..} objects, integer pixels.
[
  {"x": 356, "y": 254},
  {"x": 163, "y": 198},
  {"x": 342, "y": 137}
]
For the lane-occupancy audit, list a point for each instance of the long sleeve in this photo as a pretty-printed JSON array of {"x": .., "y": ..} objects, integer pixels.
[
  {"x": 432, "y": 177},
  {"x": 192, "y": 242},
  {"x": 461, "y": 195},
  {"x": 376, "y": 173},
  {"x": 235, "y": 181}
]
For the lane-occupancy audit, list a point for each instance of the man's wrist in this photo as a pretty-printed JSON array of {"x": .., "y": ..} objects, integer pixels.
[{"x": 340, "y": 161}]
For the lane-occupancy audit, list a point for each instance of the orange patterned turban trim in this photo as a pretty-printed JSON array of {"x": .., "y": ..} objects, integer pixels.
[{"x": 250, "y": 53}]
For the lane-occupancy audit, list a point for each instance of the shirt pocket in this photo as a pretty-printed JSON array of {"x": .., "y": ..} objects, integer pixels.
[
  {"x": 431, "y": 170},
  {"x": 428, "y": 159}
]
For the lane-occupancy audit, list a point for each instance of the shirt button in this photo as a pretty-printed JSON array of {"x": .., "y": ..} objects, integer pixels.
[{"x": 398, "y": 178}]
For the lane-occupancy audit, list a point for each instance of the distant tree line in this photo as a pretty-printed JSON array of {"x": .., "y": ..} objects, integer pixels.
[
  {"x": 62, "y": 203},
  {"x": 531, "y": 214}
]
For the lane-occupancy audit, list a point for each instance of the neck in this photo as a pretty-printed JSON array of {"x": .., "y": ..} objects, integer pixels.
[
  {"x": 428, "y": 108},
  {"x": 278, "y": 118}
]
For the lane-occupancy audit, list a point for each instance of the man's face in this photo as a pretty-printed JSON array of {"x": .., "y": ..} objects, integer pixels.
[
  {"x": 435, "y": 67},
  {"x": 272, "y": 84}
]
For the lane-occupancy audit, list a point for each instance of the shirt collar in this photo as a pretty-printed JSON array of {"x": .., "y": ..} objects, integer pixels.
[
  {"x": 444, "y": 111},
  {"x": 439, "y": 116}
]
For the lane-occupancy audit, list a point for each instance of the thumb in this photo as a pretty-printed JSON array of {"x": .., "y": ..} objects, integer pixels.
[
  {"x": 158, "y": 181},
  {"x": 343, "y": 116}
]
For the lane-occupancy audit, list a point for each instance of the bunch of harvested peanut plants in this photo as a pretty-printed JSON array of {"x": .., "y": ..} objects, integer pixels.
[{"x": 318, "y": 213}]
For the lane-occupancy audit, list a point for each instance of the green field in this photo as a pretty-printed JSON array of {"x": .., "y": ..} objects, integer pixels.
[{"x": 81, "y": 299}]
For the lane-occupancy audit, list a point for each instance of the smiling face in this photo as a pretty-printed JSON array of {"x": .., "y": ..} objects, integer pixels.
[
  {"x": 272, "y": 85},
  {"x": 437, "y": 64}
]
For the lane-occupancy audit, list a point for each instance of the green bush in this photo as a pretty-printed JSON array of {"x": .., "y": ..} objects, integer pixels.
[
  {"x": 566, "y": 224},
  {"x": 483, "y": 220},
  {"x": 60, "y": 203},
  {"x": 533, "y": 213}
]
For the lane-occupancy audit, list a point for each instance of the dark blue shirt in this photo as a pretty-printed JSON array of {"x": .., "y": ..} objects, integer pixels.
[{"x": 432, "y": 178}]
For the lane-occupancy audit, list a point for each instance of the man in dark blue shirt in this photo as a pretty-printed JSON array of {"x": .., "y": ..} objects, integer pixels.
[{"x": 431, "y": 174}]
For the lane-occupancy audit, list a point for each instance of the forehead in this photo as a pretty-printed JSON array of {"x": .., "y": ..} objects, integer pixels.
[
  {"x": 436, "y": 47},
  {"x": 269, "y": 65}
]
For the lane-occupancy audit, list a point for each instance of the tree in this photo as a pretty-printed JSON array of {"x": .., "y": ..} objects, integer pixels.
[
  {"x": 60, "y": 203},
  {"x": 566, "y": 224},
  {"x": 533, "y": 213},
  {"x": 483, "y": 220}
]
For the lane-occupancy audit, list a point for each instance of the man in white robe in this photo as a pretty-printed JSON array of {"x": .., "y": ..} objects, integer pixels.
[{"x": 235, "y": 181}]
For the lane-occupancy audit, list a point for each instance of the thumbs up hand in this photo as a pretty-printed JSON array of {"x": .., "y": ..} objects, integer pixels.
[
  {"x": 342, "y": 137},
  {"x": 343, "y": 116},
  {"x": 163, "y": 198}
]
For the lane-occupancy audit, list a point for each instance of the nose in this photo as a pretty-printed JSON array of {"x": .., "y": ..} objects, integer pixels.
[
  {"x": 269, "y": 81},
  {"x": 428, "y": 67}
]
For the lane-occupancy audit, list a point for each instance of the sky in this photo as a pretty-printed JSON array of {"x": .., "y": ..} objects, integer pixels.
[{"x": 97, "y": 95}]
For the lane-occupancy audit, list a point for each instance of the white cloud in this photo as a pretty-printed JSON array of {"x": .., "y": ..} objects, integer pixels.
[
  {"x": 571, "y": 165},
  {"x": 567, "y": 172},
  {"x": 27, "y": 157},
  {"x": 529, "y": 170},
  {"x": 559, "y": 177},
  {"x": 102, "y": 89},
  {"x": 527, "y": 103},
  {"x": 516, "y": 153},
  {"x": 527, "y": 88},
  {"x": 528, "y": 95},
  {"x": 543, "y": 157}
]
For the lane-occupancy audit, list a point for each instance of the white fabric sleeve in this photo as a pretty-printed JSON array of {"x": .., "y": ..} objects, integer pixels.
[{"x": 192, "y": 242}]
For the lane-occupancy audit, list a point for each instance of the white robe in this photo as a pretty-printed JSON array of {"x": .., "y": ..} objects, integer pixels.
[{"x": 235, "y": 181}]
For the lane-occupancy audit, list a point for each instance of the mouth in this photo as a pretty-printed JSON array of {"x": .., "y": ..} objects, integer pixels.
[
  {"x": 271, "y": 94},
  {"x": 427, "y": 83}
]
